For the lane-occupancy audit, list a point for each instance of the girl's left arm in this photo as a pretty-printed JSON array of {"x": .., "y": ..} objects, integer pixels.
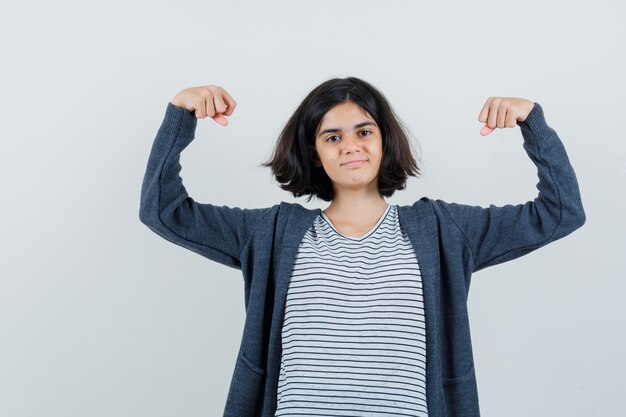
[{"x": 499, "y": 234}]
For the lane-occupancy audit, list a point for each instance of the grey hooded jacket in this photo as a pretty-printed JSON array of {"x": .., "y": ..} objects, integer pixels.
[{"x": 451, "y": 242}]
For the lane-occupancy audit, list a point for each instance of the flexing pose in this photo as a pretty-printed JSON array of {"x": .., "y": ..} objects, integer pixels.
[{"x": 359, "y": 309}]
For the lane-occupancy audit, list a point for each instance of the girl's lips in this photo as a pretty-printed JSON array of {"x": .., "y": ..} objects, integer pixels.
[{"x": 354, "y": 164}]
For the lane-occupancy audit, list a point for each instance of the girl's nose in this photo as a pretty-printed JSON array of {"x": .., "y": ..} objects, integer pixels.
[{"x": 350, "y": 143}]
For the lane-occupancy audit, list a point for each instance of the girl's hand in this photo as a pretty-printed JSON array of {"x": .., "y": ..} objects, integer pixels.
[
  {"x": 503, "y": 112},
  {"x": 209, "y": 100}
]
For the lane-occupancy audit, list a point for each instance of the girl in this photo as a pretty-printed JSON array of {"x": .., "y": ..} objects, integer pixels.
[{"x": 361, "y": 308}]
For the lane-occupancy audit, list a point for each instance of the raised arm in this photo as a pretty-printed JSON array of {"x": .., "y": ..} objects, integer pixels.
[
  {"x": 499, "y": 234},
  {"x": 218, "y": 233}
]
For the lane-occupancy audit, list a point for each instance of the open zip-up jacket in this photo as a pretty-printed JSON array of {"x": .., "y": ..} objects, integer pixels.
[{"x": 451, "y": 241}]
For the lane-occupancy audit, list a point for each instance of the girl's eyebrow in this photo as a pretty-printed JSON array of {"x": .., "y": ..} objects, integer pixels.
[{"x": 356, "y": 126}]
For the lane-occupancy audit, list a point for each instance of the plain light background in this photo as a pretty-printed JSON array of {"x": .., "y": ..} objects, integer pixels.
[{"x": 101, "y": 317}]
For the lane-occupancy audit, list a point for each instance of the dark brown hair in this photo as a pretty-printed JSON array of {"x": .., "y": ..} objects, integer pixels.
[{"x": 294, "y": 153}]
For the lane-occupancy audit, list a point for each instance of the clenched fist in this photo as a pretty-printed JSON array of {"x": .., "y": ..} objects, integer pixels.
[
  {"x": 209, "y": 100},
  {"x": 503, "y": 112}
]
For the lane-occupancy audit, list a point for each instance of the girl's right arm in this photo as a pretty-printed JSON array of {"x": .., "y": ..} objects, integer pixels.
[{"x": 218, "y": 233}]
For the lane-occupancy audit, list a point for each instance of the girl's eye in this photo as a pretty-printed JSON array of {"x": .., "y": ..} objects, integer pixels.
[{"x": 329, "y": 139}]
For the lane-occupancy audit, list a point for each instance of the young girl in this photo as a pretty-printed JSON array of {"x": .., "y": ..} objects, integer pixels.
[{"x": 359, "y": 309}]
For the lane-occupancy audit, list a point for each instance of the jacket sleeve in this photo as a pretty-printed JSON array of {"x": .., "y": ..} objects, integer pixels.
[
  {"x": 218, "y": 233},
  {"x": 499, "y": 234}
]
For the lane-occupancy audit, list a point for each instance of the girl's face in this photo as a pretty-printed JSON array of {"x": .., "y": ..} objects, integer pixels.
[{"x": 347, "y": 133}]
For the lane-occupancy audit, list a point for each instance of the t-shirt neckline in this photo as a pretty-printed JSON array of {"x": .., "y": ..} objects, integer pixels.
[{"x": 364, "y": 235}]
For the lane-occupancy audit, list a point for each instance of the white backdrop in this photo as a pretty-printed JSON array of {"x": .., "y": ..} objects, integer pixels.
[{"x": 101, "y": 317}]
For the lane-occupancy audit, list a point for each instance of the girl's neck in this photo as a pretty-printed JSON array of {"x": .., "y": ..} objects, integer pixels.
[{"x": 352, "y": 206}]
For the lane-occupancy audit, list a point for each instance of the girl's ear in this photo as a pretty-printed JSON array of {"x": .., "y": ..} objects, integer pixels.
[
  {"x": 314, "y": 156},
  {"x": 316, "y": 161}
]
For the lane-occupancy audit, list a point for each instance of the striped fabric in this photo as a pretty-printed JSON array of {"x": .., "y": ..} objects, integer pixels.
[{"x": 353, "y": 337}]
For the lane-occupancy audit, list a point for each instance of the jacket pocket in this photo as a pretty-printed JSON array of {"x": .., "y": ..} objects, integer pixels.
[
  {"x": 246, "y": 388},
  {"x": 242, "y": 356},
  {"x": 461, "y": 395},
  {"x": 459, "y": 379}
]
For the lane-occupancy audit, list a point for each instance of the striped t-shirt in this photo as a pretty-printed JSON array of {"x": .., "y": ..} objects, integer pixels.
[{"x": 354, "y": 340}]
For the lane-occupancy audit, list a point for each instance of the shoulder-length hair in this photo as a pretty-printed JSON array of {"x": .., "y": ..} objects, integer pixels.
[{"x": 292, "y": 161}]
